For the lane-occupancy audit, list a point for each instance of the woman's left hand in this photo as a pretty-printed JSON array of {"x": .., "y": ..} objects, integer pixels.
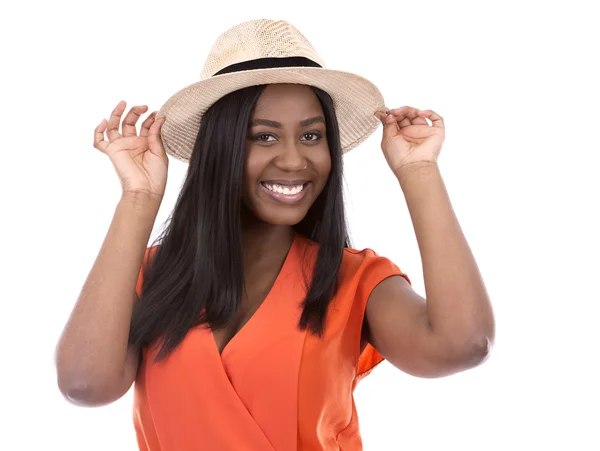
[{"x": 409, "y": 139}]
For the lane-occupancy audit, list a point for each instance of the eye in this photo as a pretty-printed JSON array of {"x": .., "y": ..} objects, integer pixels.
[
  {"x": 312, "y": 136},
  {"x": 263, "y": 137}
]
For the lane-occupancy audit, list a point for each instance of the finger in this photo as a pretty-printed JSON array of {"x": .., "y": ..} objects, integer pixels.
[
  {"x": 435, "y": 118},
  {"x": 147, "y": 124},
  {"x": 381, "y": 115},
  {"x": 154, "y": 139},
  {"x": 126, "y": 144},
  {"x": 404, "y": 115},
  {"x": 131, "y": 119},
  {"x": 112, "y": 131},
  {"x": 419, "y": 121},
  {"x": 404, "y": 122},
  {"x": 411, "y": 116},
  {"x": 99, "y": 142},
  {"x": 390, "y": 128}
]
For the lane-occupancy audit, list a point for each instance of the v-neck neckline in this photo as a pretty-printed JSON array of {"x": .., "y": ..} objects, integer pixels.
[{"x": 255, "y": 317}]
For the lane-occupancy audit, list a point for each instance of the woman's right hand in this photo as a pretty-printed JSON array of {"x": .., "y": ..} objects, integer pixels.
[{"x": 140, "y": 161}]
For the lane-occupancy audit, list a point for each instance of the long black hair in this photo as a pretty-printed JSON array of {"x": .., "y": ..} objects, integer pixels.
[{"x": 196, "y": 274}]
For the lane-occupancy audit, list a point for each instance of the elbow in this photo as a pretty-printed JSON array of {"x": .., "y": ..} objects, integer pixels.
[
  {"x": 77, "y": 393},
  {"x": 477, "y": 352},
  {"x": 471, "y": 348},
  {"x": 482, "y": 346},
  {"x": 448, "y": 359},
  {"x": 84, "y": 394},
  {"x": 74, "y": 386},
  {"x": 477, "y": 348},
  {"x": 480, "y": 351},
  {"x": 84, "y": 388},
  {"x": 464, "y": 356},
  {"x": 79, "y": 396}
]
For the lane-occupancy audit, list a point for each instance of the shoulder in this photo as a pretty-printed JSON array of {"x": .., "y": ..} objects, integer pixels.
[
  {"x": 367, "y": 266},
  {"x": 361, "y": 271},
  {"x": 359, "y": 266},
  {"x": 359, "y": 257}
]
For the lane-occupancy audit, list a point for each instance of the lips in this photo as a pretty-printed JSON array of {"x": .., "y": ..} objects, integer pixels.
[
  {"x": 285, "y": 182},
  {"x": 286, "y": 191}
]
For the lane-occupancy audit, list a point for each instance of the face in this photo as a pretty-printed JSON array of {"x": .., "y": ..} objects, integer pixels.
[{"x": 287, "y": 159}]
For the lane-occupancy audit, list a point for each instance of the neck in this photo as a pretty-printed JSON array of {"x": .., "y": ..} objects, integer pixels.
[{"x": 265, "y": 243}]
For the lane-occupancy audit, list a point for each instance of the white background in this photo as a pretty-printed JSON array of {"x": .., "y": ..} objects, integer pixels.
[{"x": 517, "y": 85}]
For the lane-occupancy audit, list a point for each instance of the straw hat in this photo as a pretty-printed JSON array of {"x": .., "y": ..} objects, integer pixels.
[{"x": 264, "y": 52}]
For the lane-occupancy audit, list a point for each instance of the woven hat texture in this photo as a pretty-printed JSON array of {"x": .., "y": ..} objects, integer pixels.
[{"x": 355, "y": 98}]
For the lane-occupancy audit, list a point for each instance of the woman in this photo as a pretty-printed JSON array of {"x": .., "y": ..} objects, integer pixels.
[{"x": 253, "y": 318}]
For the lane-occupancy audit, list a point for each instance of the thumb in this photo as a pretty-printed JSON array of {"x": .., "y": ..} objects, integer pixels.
[
  {"x": 390, "y": 126},
  {"x": 154, "y": 139}
]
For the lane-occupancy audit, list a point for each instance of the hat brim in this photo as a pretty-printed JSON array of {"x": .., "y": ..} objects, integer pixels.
[{"x": 355, "y": 100}]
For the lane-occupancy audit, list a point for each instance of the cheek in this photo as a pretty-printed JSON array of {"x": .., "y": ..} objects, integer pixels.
[
  {"x": 253, "y": 165},
  {"x": 322, "y": 162}
]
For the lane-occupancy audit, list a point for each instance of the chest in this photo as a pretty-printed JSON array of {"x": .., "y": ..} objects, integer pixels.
[
  {"x": 252, "y": 300},
  {"x": 223, "y": 336}
]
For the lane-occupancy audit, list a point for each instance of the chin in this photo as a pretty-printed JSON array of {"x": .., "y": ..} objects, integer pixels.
[{"x": 279, "y": 216}]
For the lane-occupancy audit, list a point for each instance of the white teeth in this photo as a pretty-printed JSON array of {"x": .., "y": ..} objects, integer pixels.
[{"x": 288, "y": 190}]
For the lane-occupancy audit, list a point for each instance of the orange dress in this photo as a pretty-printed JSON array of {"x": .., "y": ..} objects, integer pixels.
[{"x": 274, "y": 387}]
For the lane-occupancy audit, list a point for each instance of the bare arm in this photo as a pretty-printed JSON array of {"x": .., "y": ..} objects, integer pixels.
[
  {"x": 93, "y": 362},
  {"x": 453, "y": 329}
]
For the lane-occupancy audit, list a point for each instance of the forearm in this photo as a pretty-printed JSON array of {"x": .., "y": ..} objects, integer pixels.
[
  {"x": 92, "y": 348},
  {"x": 458, "y": 305}
]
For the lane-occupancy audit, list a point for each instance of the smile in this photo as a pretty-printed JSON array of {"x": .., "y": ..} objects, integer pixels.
[{"x": 287, "y": 193}]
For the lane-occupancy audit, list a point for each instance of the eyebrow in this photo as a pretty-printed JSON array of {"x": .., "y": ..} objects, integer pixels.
[{"x": 275, "y": 124}]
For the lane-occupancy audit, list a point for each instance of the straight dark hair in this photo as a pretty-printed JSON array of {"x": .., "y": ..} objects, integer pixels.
[{"x": 196, "y": 275}]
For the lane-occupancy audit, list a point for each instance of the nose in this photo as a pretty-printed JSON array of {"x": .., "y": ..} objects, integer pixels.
[{"x": 291, "y": 158}]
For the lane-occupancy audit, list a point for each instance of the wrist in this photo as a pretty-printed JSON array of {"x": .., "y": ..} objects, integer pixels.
[
  {"x": 142, "y": 201},
  {"x": 416, "y": 169}
]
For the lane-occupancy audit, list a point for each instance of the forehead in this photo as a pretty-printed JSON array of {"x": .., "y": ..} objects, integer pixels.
[{"x": 288, "y": 99}]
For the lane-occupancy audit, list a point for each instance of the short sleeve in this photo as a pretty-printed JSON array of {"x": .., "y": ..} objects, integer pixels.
[
  {"x": 374, "y": 269},
  {"x": 147, "y": 257}
]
